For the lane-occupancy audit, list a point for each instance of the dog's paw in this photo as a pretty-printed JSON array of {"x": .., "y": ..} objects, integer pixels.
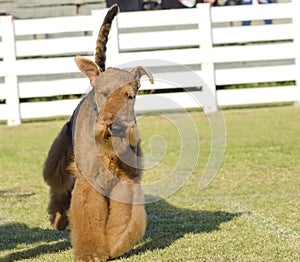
[
  {"x": 59, "y": 221},
  {"x": 93, "y": 258}
]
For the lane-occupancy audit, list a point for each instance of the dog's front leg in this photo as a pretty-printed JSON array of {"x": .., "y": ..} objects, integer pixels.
[
  {"x": 88, "y": 215},
  {"x": 126, "y": 222}
]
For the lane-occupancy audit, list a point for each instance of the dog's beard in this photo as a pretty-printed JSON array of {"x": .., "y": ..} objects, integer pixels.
[{"x": 117, "y": 144}]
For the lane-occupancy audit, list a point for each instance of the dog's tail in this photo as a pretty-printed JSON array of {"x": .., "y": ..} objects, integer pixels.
[{"x": 100, "y": 55}]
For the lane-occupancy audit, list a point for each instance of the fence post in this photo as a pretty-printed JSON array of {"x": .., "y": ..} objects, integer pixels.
[
  {"x": 296, "y": 26},
  {"x": 206, "y": 47},
  {"x": 10, "y": 78}
]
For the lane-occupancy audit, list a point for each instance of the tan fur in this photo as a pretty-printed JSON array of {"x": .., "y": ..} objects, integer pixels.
[
  {"x": 88, "y": 215},
  {"x": 126, "y": 223},
  {"x": 108, "y": 226},
  {"x": 107, "y": 215},
  {"x": 102, "y": 227}
]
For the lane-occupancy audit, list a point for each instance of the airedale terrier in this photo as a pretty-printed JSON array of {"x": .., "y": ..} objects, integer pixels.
[{"x": 94, "y": 165}]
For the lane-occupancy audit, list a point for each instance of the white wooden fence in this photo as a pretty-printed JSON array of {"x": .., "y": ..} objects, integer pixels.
[{"x": 191, "y": 49}]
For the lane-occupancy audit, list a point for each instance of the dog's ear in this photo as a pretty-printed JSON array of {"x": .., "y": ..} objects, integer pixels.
[
  {"x": 88, "y": 67},
  {"x": 139, "y": 71}
]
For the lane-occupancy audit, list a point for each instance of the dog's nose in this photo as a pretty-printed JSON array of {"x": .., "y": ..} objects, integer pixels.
[{"x": 117, "y": 130}]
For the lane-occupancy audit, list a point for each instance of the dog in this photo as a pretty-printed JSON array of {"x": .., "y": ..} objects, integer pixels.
[{"x": 94, "y": 165}]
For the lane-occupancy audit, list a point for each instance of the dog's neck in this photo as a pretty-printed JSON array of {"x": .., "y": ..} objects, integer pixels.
[{"x": 123, "y": 166}]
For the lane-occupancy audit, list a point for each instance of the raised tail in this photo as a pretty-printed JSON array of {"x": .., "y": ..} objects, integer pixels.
[{"x": 100, "y": 55}]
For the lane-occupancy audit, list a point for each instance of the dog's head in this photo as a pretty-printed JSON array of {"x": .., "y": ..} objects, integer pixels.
[{"x": 115, "y": 93}]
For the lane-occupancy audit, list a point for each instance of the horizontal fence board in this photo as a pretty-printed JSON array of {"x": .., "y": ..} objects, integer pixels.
[
  {"x": 2, "y": 66},
  {"x": 53, "y": 88},
  {"x": 3, "y": 91},
  {"x": 143, "y": 103},
  {"x": 59, "y": 46},
  {"x": 256, "y": 96},
  {"x": 176, "y": 79},
  {"x": 81, "y": 86},
  {"x": 157, "y": 18},
  {"x": 189, "y": 56},
  {"x": 1, "y": 50},
  {"x": 159, "y": 84},
  {"x": 153, "y": 40},
  {"x": 239, "y": 34},
  {"x": 251, "y": 12},
  {"x": 276, "y": 51},
  {"x": 2, "y": 28},
  {"x": 168, "y": 101},
  {"x": 54, "y": 25},
  {"x": 43, "y": 66},
  {"x": 48, "y": 109},
  {"x": 221, "y": 54},
  {"x": 3, "y": 69},
  {"x": 40, "y": 3},
  {"x": 255, "y": 75}
]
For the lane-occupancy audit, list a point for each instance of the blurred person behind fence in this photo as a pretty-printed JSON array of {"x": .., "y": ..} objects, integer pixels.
[
  {"x": 250, "y": 2},
  {"x": 169, "y": 4}
]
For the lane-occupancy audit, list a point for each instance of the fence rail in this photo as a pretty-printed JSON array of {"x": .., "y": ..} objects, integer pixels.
[{"x": 192, "y": 49}]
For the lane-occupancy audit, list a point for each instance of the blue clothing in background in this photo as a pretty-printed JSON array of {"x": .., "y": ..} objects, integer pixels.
[{"x": 249, "y": 2}]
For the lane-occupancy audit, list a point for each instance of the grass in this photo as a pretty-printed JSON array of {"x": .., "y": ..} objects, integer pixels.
[{"x": 250, "y": 212}]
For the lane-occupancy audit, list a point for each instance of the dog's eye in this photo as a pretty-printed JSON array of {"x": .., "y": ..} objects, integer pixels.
[{"x": 105, "y": 94}]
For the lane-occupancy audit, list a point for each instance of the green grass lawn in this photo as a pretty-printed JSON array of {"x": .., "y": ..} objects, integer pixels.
[{"x": 250, "y": 212}]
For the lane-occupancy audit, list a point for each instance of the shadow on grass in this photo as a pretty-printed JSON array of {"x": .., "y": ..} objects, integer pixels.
[
  {"x": 167, "y": 223},
  {"x": 38, "y": 241},
  {"x": 14, "y": 193}
]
